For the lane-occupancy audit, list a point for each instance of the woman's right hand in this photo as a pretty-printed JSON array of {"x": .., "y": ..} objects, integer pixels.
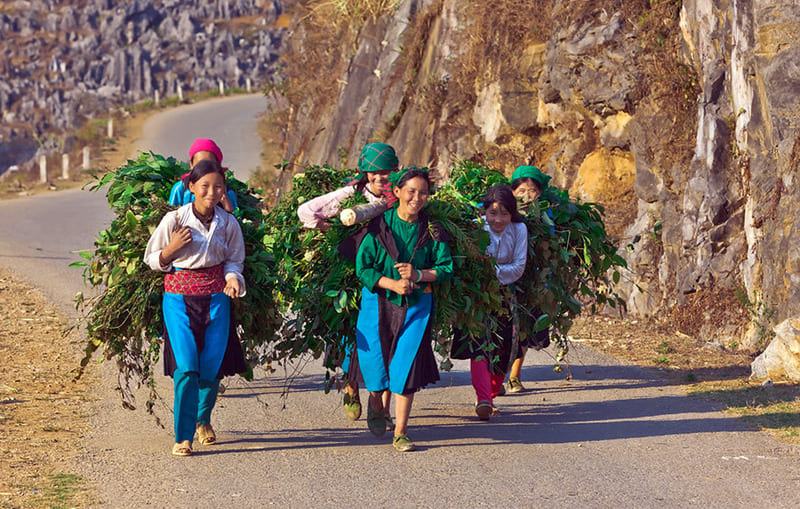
[
  {"x": 181, "y": 236},
  {"x": 404, "y": 287}
]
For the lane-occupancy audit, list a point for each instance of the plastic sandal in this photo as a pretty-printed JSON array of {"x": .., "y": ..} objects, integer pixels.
[
  {"x": 206, "y": 435},
  {"x": 352, "y": 406},
  {"x": 376, "y": 420},
  {"x": 484, "y": 410},
  {"x": 182, "y": 449}
]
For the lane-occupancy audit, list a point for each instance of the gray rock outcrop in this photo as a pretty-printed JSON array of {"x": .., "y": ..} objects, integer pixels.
[
  {"x": 62, "y": 63},
  {"x": 693, "y": 143},
  {"x": 781, "y": 360}
]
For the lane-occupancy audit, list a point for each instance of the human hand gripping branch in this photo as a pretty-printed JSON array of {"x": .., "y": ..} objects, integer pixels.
[
  {"x": 180, "y": 237},
  {"x": 409, "y": 279}
]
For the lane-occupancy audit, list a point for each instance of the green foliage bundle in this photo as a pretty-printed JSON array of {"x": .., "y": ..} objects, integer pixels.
[
  {"x": 571, "y": 263},
  {"x": 319, "y": 291},
  {"x": 316, "y": 289},
  {"x": 125, "y": 318},
  {"x": 570, "y": 257}
]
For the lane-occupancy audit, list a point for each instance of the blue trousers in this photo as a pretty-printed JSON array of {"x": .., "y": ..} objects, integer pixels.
[
  {"x": 380, "y": 373},
  {"x": 198, "y": 331}
]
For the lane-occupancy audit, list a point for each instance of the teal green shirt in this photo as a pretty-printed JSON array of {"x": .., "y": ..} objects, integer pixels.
[{"x": 373, "y": 262}]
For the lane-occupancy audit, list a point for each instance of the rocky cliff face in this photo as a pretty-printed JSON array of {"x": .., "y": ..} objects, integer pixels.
[
  {"x": 679, "y": 118},
  {"x": 63, "y": 62}
]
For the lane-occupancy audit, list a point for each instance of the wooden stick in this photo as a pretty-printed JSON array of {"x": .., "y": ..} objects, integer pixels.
[{"x": 361, "y": 213}]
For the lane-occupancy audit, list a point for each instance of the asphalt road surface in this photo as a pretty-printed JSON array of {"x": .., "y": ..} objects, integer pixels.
[{"x": 612, "y": 436}]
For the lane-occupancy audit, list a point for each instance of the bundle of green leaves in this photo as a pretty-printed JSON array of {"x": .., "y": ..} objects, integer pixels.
[
  {"x": 316, "y": 289},
  {"x": 319, "y": 291},
  {"x": 124, "y": 318},
  {"x": 571, "y": 263}
]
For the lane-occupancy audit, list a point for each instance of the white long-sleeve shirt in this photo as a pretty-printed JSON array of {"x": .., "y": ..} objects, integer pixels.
[
  {"x": 315, "y": 211},
  {"x": 510, "y": 251},
  {"x": 222, "y": 243}
]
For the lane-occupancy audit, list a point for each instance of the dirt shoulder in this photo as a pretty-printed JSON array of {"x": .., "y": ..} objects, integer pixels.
[{"x": 43, "y": 411}]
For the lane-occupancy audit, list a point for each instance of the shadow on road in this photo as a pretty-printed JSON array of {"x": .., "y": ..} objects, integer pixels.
[{"x": 600, "y": 403}]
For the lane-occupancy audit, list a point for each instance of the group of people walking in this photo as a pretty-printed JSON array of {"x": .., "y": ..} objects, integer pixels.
[{"x": 398, "y": 256}]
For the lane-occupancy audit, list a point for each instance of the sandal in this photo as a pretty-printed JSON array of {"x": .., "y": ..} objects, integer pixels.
[
  {"x": 376, "y": 420},
  {"x": 182, "y": 448},
  {"x": 352, "y": 406},
  {"x": 389, "y": 422},
  {"x": 206, "y": 434},
  {"x": 484, "y": 410}
]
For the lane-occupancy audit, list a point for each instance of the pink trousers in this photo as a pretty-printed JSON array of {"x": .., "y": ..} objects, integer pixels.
[{"x": 486, "y": 384}]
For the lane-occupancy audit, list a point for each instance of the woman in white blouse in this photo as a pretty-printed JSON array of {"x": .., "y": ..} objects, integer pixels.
[
  {"x": 489, "y": 360},
  {"x": 200, "y": 248}
]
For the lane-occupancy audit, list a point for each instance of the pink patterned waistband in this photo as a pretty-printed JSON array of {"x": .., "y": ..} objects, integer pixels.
[{"x": 195, "y": 281}]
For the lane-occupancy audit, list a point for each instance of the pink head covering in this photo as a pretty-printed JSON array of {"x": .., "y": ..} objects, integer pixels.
[{"x": 201, "y": 144}]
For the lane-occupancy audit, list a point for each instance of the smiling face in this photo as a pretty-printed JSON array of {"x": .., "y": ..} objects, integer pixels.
[
  {"x": 208, "y": 191},
  {"x": 377, "y": 180},
  {"x": 498, "y": 217},
  {"x": 528, "y": 191},
  {"x": 412, "y": 197}
]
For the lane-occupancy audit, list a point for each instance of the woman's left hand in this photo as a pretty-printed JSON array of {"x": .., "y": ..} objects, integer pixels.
[
  {"x": 232, "y": 288},
  {"x": 225, "y": 203},
  {"x": 406, "y": 270}
]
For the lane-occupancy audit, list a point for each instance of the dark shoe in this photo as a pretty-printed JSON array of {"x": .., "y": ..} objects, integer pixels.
[
  {"x": 389, "y": 422},
  {"x": 376, "y": 421},
  {"x": 352, "y": 406},
  {"x": 484, "y": 410},
  {"x": 514, "y": 385},
  {"x": 502, "y": 391},
  {"x": 403, "y": 444}
]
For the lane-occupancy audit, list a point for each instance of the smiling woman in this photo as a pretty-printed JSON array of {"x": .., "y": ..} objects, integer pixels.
[{"x": 397, "y": 261}]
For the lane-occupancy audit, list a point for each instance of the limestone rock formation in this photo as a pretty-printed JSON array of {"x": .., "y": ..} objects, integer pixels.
[
  {"x": 679, "y": 118},
  {"x": 781, "y": 359},
  {"x": 64, "y": 62}
]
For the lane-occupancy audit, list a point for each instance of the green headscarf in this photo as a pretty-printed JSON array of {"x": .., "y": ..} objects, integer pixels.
[
  {"x": 395, "y": 177},
  {"x": 531, "y": 172},
  {"x": 377, "y": 157}
]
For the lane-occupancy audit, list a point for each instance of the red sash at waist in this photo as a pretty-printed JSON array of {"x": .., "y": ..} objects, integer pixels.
[{"x": 195, "y": 281}]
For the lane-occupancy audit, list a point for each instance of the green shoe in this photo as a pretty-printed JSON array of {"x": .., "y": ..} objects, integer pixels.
[
  {"x": 389, "y": 422},
  {"x": 403, "y": 444},
  {"x": 352, "y": 406},
  {"x": 376, "y": 422},
  {"x": 514, "y": 385}
]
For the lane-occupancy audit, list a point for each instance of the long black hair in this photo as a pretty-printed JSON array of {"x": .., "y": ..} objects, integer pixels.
[{"x": 503, "y": 195}]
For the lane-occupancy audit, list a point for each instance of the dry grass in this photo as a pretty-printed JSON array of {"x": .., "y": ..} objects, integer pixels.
[
  {"x": 489, "y": 43},
  {"x": 42, "y": 410},
  {"x": 773, "y": 408},
  {"x": 358, "y": 10}
]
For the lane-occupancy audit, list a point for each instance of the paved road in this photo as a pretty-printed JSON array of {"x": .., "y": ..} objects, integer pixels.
[
  {"x": 612, "y": 436},
  {"x": 42, "y": 234}
]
